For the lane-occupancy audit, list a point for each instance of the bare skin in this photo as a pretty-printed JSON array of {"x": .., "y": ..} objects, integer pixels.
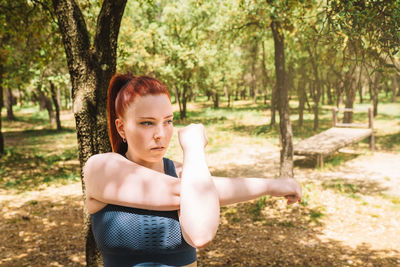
[{"x": 139, "y": 181}]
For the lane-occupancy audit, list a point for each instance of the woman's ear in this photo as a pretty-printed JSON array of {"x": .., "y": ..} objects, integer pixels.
[{"x": 119, "y": 124}]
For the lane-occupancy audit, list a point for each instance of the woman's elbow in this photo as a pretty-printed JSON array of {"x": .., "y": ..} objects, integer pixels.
[{"x": 200, "y": 241}]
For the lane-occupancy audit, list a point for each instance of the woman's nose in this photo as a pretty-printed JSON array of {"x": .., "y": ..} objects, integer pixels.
[{"x": 159, "y": 132}]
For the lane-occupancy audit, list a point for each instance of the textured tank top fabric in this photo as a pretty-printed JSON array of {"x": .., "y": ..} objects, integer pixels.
[{"x": 137, "y": 237}]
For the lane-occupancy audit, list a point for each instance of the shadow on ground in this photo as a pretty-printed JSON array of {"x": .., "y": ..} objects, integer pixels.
[
  {"x": 42, "y": 233},
  {"x": 266, "y": 233}
]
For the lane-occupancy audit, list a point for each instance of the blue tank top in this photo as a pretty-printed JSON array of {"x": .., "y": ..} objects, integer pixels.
[{"x": 137, "y": 237}]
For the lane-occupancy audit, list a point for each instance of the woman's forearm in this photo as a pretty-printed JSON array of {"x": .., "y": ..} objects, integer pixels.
[
  {"x": 235, "y": 190},
  {"x": 199, "y": 209}
]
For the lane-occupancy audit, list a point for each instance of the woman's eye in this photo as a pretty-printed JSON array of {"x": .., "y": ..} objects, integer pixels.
[
  {"x": 168, "y": 122},
  {"x": 146, "y": 123}
]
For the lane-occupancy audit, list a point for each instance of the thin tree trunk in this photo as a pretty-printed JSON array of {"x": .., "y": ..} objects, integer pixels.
[
  {"x": 265, "y": 73},
  {"x": 359, "y": 86},
  {"x": 91, "y": 67},
  {"x": 56, "y": 105},
  {"x": 178, "y": 99},
  {"x": 394, "y": 88},
  {"x": 227, "y": 95},
  {"x": 184, "y": 101},
  {"x": 47, "y": 104},
  {"x": 329, "y": 94},
  {"x": 253, "y": 84},
  {"x": 286, "y": 159},
  {"x": 375, "y": 93},
  {"x": 301, "y": 94},
  {"x": 216, "y": 100},
  {"x": 316, "y": 89},
  {"x": 1, "y": 108},
  {"x": 351, "y": 91},
  {"x": 9, "y": 104},
  {"x": 59, "y": 97},
  {"x": 273, "y": 104}
]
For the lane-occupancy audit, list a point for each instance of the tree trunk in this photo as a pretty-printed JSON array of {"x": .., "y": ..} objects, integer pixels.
[
  {"x": 1, "y": 108},
  {"x": 46, "y": 102},
  {"x": 351, "y": 91},
  {"x": 302, "y": 99},
  {"x": 253, "y": 84},
  {"x": 286, "y": 159},
  {"x": 9, "y": 104},
  {"x": 59, "y": 97},
  {"x": 216, "y": 100},
  {"x": 265, "y": 73},
  {"x": 227, "y": 95},
  {"x": 178, "y": 100},
  {"x": 184, "y": 96},
  {"x": 273, "y": 104},
  {"x": 91, "y": 67},
  {"x": 375, "y": 93},
  {"x": 56, "y": 105},
  {"x": 394, "y": 88},
  {"x": 329, "y": 94},
  {"x": 315, "y": 88}
]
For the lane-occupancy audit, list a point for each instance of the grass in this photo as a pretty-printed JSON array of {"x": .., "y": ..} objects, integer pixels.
[
  {"x": 36, "y": 154},
  {"x": 342, "y": 187}
]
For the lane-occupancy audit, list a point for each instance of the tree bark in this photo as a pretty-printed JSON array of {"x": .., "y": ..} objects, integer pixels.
[
  {"x": 56, "y": 105},
  {"x": 216, "y": 100},
  {"x": 273, "y": 104},
  {"x": 265, "y": 73},
  {"x": 253, "y": 83},
  {"x": 316, "y": 88},
  {"x": 9, "y": 104},
  {"x": 350, "y": 91},
  {"x": 46, "y": 102},
  {"x": 394, "y": 88},
  {"x": 1, "y": 108},
  {"x": 286, "y": 159},
  {"x": 302, "y": 99},
  {"x": 375, "y": 93},
  {"x": 91, "y": 67}
]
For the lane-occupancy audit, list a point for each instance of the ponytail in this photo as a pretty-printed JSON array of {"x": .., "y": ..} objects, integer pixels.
[
  {"x": 118, "y": 81},
  {"x": 122, "y": 92}
]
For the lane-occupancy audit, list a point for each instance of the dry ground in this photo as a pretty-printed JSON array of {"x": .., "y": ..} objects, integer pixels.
[{"x": 350, "y": 217}]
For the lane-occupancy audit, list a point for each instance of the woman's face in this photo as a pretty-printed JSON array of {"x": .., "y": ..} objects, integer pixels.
[{"x": 147, "y": 128}]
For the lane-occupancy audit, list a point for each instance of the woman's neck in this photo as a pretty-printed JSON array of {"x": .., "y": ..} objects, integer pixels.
[{"x": 156, "y": 166}]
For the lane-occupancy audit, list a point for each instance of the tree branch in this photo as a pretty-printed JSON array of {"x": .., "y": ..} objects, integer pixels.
[
  {"x": 74, "y": 34},
  {"x": 108, "y": 24}
]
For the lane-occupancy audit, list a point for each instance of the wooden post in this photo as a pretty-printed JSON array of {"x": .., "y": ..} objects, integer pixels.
[
  {"x": 334, "y": 116},
  {"x": 371, "y": 126},
  {"x": 320, "y": 161}
]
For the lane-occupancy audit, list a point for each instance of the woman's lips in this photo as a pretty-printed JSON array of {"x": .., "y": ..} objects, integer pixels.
[{"x": 159, "y": 148}]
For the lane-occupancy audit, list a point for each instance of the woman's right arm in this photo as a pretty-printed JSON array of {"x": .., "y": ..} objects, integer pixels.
[{"x": 111, "y": 178}]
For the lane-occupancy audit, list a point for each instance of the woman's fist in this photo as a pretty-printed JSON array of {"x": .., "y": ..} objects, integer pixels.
[{"x": 193, "y": 136}]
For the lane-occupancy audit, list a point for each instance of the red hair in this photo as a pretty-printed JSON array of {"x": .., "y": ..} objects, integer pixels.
[{"x": 122, "y": 92}]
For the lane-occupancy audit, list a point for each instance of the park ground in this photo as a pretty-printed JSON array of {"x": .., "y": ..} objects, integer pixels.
[{"x": 349, "y": 216}]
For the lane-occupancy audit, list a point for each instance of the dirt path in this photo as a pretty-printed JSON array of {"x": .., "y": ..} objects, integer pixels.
[{"x": 351, "y": 217}]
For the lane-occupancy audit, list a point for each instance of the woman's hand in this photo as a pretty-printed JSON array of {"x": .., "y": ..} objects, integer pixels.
[
  {"x": 286, "y": 187},
  {"x": 192, "y": 136}
]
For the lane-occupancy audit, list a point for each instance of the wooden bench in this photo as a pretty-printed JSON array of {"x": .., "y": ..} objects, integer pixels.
[{"x": 339, "y": 136}]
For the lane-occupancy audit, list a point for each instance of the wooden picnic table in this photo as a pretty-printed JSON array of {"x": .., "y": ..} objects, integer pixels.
[{"x": 339, "y": 136}]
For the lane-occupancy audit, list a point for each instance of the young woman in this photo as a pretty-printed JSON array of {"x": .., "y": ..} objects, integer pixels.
[{"x": 147, "y": 210}]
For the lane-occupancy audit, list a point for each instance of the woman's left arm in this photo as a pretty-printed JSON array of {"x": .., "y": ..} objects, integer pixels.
[{"x": 234, "y": 190}]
